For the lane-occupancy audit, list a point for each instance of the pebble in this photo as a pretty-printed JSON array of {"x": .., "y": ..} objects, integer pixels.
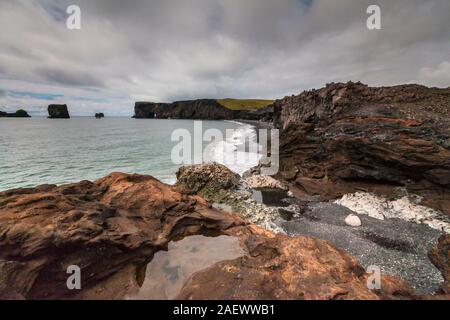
[{"x": 353, "y": 220}]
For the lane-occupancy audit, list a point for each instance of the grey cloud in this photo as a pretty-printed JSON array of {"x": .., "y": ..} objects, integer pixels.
[
  {"x": 69, "y": 78},
  {"x": 175, "y": 49}
]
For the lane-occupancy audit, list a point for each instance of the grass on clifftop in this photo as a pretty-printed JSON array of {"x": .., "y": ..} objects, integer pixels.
[{"x": 244, "y": 104}]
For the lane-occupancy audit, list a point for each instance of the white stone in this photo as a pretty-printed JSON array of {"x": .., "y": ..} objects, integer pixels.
[{"x": 353, "y": 220}]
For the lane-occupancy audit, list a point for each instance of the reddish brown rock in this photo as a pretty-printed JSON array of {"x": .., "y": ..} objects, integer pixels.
[
  {"x": 111, "y": 229},
  {"x": 205, "y": 179},
  {"x": 104, "y": 227},
  {"x": 281, "y": 267},
  {"x": 440, "y": 256},
  {"x": 349, "y": 137}
]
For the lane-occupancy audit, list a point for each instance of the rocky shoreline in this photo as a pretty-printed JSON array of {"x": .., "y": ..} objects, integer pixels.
[
  {"x": 363, "y": 182},
  {"x": 113, "y": 227}
]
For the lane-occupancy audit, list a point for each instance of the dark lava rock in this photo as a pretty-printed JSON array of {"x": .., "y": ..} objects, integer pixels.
[
  {"x": 206, "y": 179},
  {"x": 18, "y": 114},
  {"x": 99, "y": 115},
  {"x": 207, "y": 109},
  {"x": 348, "y": 136},
  {"x": 440, "y": 256},
  {"x": 111, "y": 228},
  {"x": 58, "y": 111}
]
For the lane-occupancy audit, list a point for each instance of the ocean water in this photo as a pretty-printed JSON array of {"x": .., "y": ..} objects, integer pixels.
[{"x": 39, "y": 150}]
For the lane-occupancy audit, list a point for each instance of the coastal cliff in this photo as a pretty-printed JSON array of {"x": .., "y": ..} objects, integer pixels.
[
  {"x": 349, "y": 137},
  {"x": 201, "y": 109}
]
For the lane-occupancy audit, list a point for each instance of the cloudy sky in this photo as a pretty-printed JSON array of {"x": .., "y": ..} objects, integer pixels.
[{"x": 170, "y": 50}]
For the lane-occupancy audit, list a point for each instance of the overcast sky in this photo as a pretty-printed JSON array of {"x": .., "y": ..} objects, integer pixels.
[{"x": 177, "y": 49}]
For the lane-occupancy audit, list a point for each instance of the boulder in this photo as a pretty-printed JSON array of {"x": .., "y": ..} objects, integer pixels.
[
  {"x": 353, "y": 220},
  {"x": 206, "y": 179},
  {"x": 99, "y": 115},
  {"x": 440, "y": 257},
  {"x": 111, "y": 228},
  {"x": 58, "y": 111}
]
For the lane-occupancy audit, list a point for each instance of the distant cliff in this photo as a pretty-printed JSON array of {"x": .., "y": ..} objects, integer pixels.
[
  {"x": 202, "y": 109},
  {"x": 18, "y": 114}
]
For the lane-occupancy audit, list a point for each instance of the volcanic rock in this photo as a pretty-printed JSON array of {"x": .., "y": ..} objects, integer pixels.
[
  {"x": 353, "y": 220},
  {"x": 349, "y": 137},
  {"x": 281, "y": 267},
  {"x": 206, "y": 179},
  {"x": 111, "y": 228},
  {"x": 58, "y": 111},
  {"x": 440, "y": 257},
  {"x": 18, "y": 114}
]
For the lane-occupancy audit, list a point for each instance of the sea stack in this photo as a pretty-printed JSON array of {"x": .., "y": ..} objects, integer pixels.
[
  {"x": 18, "y": 114},
  {"x": 58, "y": 111},
  {"x": 99, "y": 115}
]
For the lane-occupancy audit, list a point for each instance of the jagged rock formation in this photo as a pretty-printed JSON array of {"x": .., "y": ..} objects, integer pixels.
[
  {"x": 348, "y": 136},
  {"x": 18, "y": 114},
  {"x": 282, "y": 267},
  {"x": 111, "y": 229},
  {"x": 203, "y": 109},
  {"x": 440, "y": 256},
  {"x": 58, "y": 111}
]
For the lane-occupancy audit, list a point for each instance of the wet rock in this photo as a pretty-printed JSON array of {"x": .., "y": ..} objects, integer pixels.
[
  {"x": 58, "y": 111},
  {"x": 280, "y": 267},
  {"x": 353, "y": 220},
  {"x": 99, "y": 115}
]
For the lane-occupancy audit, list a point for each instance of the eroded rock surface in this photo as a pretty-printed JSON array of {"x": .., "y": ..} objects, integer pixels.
[
  {"x": 206, "y": 179},
  {"x": 349, "y": 137},
  {"x": 108, "y": 227},
  {"x": 440, "y": 256},
  {"x": 112, "y": 227},
  {"x": 280, "y": 267}
]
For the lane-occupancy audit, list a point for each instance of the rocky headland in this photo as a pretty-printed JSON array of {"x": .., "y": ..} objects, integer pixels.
[
  {"x": 349, "y": 137},
  {"x": 18, "y": 114},
  {"x": 58, "y": 111}
]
